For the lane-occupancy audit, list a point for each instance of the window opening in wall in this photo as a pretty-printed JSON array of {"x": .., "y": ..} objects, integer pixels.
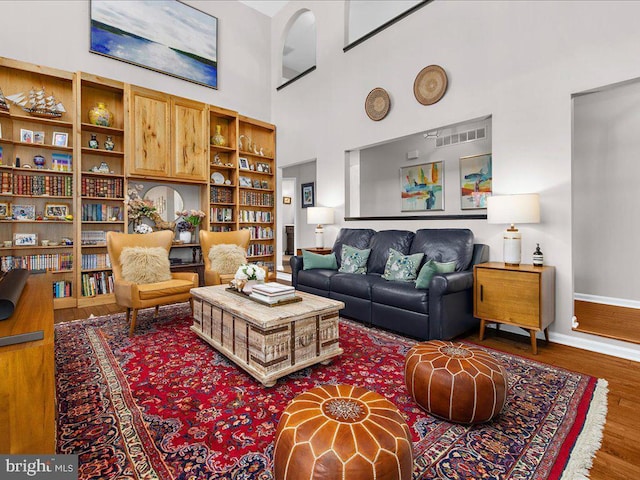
[
  {"x": 366, "y": 18},
  {"x": 299, "y": 49}
]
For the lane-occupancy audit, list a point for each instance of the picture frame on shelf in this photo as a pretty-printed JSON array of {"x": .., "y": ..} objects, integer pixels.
[
  {"x": 38, "y": 138},
  {"x": 23, "y": 212},
  {"x": 256, "y": 183},
  {"x": 56, "y": 211},
  {"x": 244, "y": 181},
  {"x": 118, "y": 31},
  {"x": 475, "y": 181},
  {"x": 26, "y": 136},
  {"x": 308, "y": 194},
  {"x": 60, "y": 139},
  {"x": 265, "y": 184},
  {"x": 422, "y": 187},
  {"x": 5, "y": 208},
  {"x": 25, "y": 239},
  {"x": 243, "y": 163}
]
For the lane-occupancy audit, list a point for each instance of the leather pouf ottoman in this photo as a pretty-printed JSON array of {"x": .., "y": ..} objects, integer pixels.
[
  {"x": 342, "y": 432},
  {"x": 456, "y": 382}
]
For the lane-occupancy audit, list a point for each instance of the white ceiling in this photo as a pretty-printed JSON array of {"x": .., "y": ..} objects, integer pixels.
[{"x": 268, "y": 7}]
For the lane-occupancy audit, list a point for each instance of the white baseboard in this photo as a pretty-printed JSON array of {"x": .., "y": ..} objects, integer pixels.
[
  {"x": 616, "y": 302},
  {"x": 283, "y": 276}
]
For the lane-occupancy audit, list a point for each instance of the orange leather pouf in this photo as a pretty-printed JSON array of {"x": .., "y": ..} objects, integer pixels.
[
  {"x": 456, "y": 382},
  {"x": 342, "y": 432}
]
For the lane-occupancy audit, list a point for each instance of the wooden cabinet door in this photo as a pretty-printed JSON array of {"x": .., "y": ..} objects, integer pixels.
[
  {"x": 189, "y": 140},
  {"x": 149, "y": 124},
  {"x": 508, "y": 296}
]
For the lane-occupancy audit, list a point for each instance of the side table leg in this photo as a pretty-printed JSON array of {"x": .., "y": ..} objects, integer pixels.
[
  {"x": 482, "y": 325},
  {"x": 534, "y": 345}
]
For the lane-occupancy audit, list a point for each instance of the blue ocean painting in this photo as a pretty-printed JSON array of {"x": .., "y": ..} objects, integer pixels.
[{"x": 166, "y": 36}]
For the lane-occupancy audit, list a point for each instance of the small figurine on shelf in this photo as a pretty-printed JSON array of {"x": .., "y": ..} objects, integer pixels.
[
  {"x": 109, "y": 144},
  {"x": 538, "y": 258},
  {"x": 38, "y": 161},
  {"x": 93, "y": 143}
]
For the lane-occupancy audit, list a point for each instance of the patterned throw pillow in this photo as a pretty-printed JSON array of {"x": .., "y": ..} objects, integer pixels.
[
  {"x": 402, "y": 268},
  {"x": 354, "y": 260}
]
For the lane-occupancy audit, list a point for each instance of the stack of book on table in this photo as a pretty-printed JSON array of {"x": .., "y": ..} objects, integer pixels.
[{"x": 272, "y": 292}]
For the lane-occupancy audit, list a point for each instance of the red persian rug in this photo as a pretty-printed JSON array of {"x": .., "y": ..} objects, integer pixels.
[{"x": 166, "y": 405}]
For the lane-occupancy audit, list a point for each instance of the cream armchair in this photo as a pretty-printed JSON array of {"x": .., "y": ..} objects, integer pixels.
[
  {"x": 135, "y": 296},
  {"x": 208, "y": 240}
]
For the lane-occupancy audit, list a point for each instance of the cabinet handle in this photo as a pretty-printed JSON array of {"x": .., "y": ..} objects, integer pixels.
[{"x": 481, "y": 293}]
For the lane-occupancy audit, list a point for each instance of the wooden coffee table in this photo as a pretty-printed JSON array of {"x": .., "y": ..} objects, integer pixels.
[{"x": 268, "y": 342}]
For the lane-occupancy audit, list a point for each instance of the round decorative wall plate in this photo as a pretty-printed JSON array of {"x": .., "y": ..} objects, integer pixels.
[
  {"x": 377, "y": 104},
  {"x": 430, "y": 84}
]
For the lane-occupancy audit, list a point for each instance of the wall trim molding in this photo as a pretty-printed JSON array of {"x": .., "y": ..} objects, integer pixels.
[
  {"x": 470, "y": 216},
  {"x": 616, "y": 302}
]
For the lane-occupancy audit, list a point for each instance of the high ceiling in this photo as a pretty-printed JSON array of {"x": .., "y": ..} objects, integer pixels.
[{"x": 268, "y": 7}]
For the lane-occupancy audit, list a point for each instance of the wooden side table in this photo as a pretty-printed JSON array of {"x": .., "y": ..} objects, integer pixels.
[
  {"x": 319, "y": 251},
  {"x": 519, "y": 295}
]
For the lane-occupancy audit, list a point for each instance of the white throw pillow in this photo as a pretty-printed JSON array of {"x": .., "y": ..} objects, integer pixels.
[
  {"x": 145, "y": 264},
  {"x": 226, "y": 258}
]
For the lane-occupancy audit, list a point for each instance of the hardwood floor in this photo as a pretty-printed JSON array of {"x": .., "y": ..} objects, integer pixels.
[{"x": 619, "y": 456}]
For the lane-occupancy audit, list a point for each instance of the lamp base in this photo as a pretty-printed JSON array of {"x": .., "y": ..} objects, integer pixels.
[
  {"x": 512, "y": 247},
  {"x": 319, "y": 237}
]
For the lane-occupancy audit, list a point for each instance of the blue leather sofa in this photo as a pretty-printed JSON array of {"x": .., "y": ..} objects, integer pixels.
[{"x": 442, "y": 311}]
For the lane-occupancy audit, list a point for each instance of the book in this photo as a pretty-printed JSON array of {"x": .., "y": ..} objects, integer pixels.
[
  {"x": 271, "y": 289},
  {"x": 270, "y": 299}
]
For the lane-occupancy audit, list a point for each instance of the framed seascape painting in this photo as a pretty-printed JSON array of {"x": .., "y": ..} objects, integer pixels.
[
  {"x": 422, "y": 187},
  {"x": 475, "y": 181},
  {"x": 163, "y": 35}
]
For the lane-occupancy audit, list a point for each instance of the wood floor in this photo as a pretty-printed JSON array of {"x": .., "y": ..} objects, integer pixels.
[{"x": 619, "y": 456}]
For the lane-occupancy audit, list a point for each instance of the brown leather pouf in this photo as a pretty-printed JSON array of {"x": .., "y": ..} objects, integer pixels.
[
  {"x": 457, "y": 382},
  {"x": 342, "y": 432}
]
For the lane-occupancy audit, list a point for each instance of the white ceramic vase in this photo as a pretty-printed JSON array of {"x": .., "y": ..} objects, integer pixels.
[{"x": 185, "y": 237}]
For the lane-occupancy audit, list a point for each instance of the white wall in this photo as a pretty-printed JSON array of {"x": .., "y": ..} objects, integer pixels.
[
  {"x": 517, "y": 61},
  {"x": 605, "y": 190},
  {"x": 56, "y": 34},
  {"x": 305, "y": 233}
]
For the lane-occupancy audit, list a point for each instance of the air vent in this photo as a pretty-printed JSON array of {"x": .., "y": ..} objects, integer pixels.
[{"x": 462, "y": 137}]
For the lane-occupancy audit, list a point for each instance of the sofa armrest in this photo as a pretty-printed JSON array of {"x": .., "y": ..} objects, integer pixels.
[
  {"x": 445, "y": 283},
  {"x": 480, "y": 254},
  {"x": 296, "y": 266}
]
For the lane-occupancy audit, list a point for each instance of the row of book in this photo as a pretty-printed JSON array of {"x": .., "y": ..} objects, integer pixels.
[
  {"x": 272, "y": 292},
  {"x": 258, "y": 249},
  {"x": 93, "y": 237},
  {"x": 102, "y": 187},
  {"x": 221, "y": 228},
  {"x": 101, "y": 212},
  {"x": 221, "y": 195},
  {"x": 92, "y": 261},
  {"x": 259, "y": 232},
  {"x": 98, "y": 283},
  {"x": 62, "y": 289},
  {"x": 256, "y": 199},
  {"x": 54, "y": 185},
  {"x": 255, "y": 216},
  {"x": 221, "y": 214},
  {"x": 54, "y": 262}
]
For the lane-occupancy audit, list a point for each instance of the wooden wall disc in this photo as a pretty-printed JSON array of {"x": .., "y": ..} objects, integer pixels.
[
  {"x": 377, "y": 104},
  {"x": 430, "y": 84}
]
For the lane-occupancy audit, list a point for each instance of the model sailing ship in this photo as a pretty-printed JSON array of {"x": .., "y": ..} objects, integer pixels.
[
  {"x": 3, "y": 102},
  {"x": 38, "y": 104}
]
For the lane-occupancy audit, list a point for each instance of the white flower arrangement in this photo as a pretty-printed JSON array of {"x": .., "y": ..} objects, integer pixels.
[
  {"x": 249, "y": 272},
  {"x": 143, "y": 228}
]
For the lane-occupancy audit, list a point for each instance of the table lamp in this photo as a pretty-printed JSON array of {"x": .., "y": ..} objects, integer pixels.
[
  {"x": 512, "y": 209},
  {"x": 319, "y": 216}
]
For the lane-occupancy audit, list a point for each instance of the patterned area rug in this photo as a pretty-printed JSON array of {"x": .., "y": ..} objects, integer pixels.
[{"x": 166, "y": 405}]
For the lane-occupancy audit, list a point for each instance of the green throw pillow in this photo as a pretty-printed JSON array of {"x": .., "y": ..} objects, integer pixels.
[
  {"x": 354, "y": 260},
  {"x": 312, "y": 261},
  {"x": 402, "y": 268},
  {"x": 430, "y": 268}
]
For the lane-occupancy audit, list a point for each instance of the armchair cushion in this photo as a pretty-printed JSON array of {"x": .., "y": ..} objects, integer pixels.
[
  {"x": 144, "y": 265},
  {"x": 226, "y": 258}
]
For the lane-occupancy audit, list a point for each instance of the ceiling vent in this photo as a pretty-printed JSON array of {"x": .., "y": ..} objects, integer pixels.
[{"x": 462, "y": 137}]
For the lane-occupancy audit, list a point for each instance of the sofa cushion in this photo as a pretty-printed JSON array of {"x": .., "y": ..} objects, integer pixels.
[
  {"x": 354, "y": 285},
  {"x": 356, "y": 237},
  {"x": 401, "y": 295},
  {"x": 312, "y": 261},
  {"x": 353, "y": 260},
  {"x": 446, "y": 267},
  {"x": 445, "y": 245},
  {"x": 380, "y": 244},
  {"x": 402, "y": 268},
  {"x": 427, "y": 272},
  {"x": 318, "y": 278}
]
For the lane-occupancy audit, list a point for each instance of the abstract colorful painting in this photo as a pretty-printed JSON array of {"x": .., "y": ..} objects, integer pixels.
[
  {"x": 422, "y": 187},
  {"x": 475, "y": 181},
  {"x": 163, "y": 35}
]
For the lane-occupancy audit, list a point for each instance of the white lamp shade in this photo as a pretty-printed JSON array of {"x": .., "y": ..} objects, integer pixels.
[
  {"x": 511, "y": 209},
  {"x": 320, "y": 215}
]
